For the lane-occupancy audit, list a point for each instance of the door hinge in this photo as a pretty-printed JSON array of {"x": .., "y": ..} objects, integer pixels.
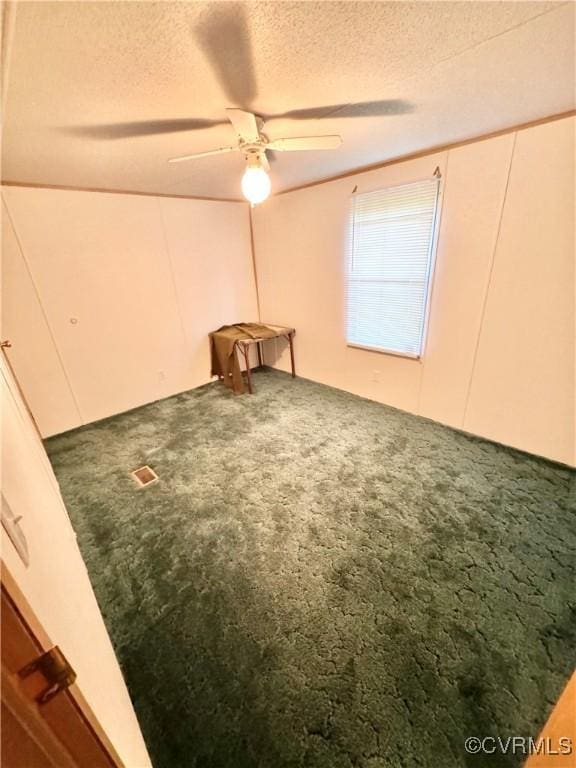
[{"x": 56, "y": 670}]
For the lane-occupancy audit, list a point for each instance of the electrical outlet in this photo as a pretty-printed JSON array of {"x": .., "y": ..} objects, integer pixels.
[
  {"x": 161, "y": 376},
  {"x": 376, "y": 377}
]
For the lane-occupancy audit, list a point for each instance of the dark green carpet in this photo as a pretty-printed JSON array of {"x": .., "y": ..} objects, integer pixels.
[{"x": 319, "y": 580}]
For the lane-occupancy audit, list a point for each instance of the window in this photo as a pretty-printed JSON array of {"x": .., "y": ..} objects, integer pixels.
[{"x": 390, "y": 267}]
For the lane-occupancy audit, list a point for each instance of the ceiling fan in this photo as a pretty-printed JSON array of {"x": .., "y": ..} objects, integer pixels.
[
  {"x": 254, "y": 144},
  {"x": 223, "y": 34}
]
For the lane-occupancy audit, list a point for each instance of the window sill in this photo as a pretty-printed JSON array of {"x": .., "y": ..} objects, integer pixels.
[{"x": 379, "y": 351}]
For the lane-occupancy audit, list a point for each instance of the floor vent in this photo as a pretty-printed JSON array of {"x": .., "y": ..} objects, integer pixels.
[{"x": 144, "y": 476}]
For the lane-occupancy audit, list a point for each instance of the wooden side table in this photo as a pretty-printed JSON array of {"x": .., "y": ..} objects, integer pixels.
[{"x": 244, "y": 346}]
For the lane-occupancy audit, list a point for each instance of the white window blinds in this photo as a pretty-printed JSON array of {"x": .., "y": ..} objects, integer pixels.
[{"x": 390, "y": 267}]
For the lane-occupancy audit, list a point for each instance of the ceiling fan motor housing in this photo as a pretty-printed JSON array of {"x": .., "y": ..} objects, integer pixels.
[{"x": 254, "y": 154}]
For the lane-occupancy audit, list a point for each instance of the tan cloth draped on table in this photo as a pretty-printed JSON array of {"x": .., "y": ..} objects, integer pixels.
[{"x": 224, "y": 361}]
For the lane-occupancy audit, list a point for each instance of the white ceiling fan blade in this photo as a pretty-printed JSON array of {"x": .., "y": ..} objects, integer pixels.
[
  {"x": 264, "y": 161},
  {"x": 220, "y": 151},
  {"x": 304, "y": 143},
  {"x": 245, "y": 124}
]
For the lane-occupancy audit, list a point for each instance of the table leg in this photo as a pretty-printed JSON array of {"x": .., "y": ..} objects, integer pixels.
[
  {"x": 291, "y": 342},
  {"x": 260, "y": 363},
  {"x": 246, "y": 350}
]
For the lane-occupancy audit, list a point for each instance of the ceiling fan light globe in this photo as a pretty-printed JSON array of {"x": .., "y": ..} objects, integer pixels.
[{"x": 255, "y": 185}]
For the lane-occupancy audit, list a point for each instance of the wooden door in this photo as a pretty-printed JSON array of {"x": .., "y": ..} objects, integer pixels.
[
  {"x": 61, "y": 733},
  {"x": 557, "y": 741}
]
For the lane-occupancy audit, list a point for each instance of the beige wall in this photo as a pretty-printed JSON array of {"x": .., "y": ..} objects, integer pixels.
[
  {"x": 499, "y": 359},
  {"x": 147, "y": 278},
  {"x": 522, "y": 391},
  {"x": 33, "y": 353},
  {"x": 55, "y": 583},
  {"x": 109, "y": 298}
]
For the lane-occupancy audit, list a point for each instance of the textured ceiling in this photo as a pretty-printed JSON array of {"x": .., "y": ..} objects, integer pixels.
[{"x": 451, "y": 70}]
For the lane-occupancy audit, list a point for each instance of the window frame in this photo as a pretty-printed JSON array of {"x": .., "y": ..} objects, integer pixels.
[{"x": 430, "y": 271}]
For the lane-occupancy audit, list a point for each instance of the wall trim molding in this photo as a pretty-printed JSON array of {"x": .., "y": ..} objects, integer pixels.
[
  {"x": 354, "y": 172},
  {"x": 102, "y": 190},
  {"x": 433, "y": 150},
  {"x": 254, "y": 263},
  {"x": 489, "y": 281}
]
